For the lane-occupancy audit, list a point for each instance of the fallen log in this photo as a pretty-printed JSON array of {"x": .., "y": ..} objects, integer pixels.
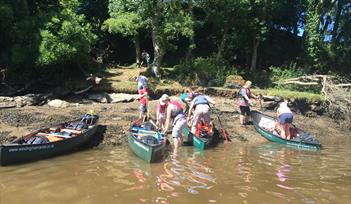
[
  {"x": 8, "y": 106},
  {"x": 297, "y": 82},
  {"x": 83, "y": 90}
]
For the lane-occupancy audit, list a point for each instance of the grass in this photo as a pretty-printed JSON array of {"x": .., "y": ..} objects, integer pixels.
[
  {"x": 122, "y": 79},
  {"x": 311, "y": 97}
]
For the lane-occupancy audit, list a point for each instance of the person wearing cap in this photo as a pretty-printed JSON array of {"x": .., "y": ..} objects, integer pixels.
[
  {"x": 143, "y": 99},
  {"x": 201, "y": 106},
  {"x": 285, "y": 118},
  {"x": 161, "y": 110},
  {"x": 176, "y": 117},
  {"x": 245, "y": 96}
]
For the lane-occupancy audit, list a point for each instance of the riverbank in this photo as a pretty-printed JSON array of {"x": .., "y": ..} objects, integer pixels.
[
  {"x": 27, "y": 114},
  {"x": 115, "y": 120}
]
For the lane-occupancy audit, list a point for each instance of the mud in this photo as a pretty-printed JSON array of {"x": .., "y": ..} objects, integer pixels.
[{"x": 115, "y": 120}]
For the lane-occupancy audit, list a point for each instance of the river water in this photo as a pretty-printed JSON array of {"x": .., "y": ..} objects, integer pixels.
[{"x": 229, "y": 173}]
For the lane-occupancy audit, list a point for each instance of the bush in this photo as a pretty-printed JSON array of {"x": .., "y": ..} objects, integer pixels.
[
  {"x": 207, "y": 71},
  {"x": 280, "y": 73}
]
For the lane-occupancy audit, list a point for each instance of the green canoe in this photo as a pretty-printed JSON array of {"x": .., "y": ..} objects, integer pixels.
[
  {"x": 204, "y": 141},
  {"x": 48, "y": 142},
  {"x": 302, "y": 140},
  {"x": 148, "y": 144}
]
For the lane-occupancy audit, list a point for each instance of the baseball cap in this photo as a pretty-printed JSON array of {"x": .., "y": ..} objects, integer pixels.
[{"x": 163, "y": 99}]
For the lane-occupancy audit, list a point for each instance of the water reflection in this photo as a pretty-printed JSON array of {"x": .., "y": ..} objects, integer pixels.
[
  {"x": 267, "y": 173},
  {"x": 184, "y": 171}
]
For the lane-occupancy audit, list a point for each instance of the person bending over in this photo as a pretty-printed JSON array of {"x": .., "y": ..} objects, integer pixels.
[
  {"x": 175, "y": 116},
  {"x": 285, "y": 118}
]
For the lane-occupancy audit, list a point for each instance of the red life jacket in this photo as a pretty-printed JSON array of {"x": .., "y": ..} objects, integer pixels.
[{"x": 200, "y": 126}]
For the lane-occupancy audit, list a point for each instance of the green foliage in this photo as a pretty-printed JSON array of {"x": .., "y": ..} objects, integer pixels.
[
  {"x": 206, "y": 69},
  {"x": 286, "y": 93},
  {"x": 178, "y": 21},
  {"x": 41, "y": 34},
  {"x": 126, "y": 23},
  {"x": 280, "y": 73},
  {"x": 124, "y": 18},
  {"x": 67, "y": 37},
  {"x": 313, "y": 37}
]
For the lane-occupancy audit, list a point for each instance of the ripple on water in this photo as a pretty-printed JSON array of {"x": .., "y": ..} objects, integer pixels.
[{"x": 226, "y": 174}]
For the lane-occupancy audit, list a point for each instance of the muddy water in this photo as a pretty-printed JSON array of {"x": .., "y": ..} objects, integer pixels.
[{"x": 230, "y": 173}]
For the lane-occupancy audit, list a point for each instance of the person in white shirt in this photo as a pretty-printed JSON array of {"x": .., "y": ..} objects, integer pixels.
[
  {"x": 285, "y": 118},
  {"x": 201, "y": 106}
]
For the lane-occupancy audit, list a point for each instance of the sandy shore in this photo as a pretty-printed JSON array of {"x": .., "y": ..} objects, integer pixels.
[{"x": 115, "y": 120}]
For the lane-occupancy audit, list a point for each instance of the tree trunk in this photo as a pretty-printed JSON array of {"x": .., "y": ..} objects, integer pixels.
[
  {"x": 189, "y": 52},
  {"x": 223, "y": 41},
  {"x": 157, "y": 44},
  {"x": 24, "y": 10},
  {"x": 191, "y": 46},
  {"x": 137, "y": 50},
  {"x": 256, "y": 43}
]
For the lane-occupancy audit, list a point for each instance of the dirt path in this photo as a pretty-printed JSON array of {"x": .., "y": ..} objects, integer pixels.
[{"x": 116, "y": 118}]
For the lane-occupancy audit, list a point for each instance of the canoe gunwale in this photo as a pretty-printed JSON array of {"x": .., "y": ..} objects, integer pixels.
[
  {"x": 13, "y": 153},
  {"x": 275, "y": 138},
  {"x": 147, "y": 152}
]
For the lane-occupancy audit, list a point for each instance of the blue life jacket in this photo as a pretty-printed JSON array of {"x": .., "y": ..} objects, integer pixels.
[
  {"x": 183, "y": 96},
  {"x": 201, "y": 99}
]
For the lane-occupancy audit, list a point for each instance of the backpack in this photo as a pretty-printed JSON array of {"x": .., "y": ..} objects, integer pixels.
[
  {"x": 89, "y": 119},
  {"x": 38, "y": 140},
  {"x": 77, "y": 125},
  {"x": 150, "y": 140}
]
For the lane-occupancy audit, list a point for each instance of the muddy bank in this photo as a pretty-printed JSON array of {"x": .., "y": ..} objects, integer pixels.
[{"x": 115, "y": 120}]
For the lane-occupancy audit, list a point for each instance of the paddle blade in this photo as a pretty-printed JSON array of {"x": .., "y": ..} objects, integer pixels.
[{"x": 226, "y": 137}]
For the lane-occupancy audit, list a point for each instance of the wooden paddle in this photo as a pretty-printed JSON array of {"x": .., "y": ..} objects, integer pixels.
[
  {"x": 260, "y": 98},
  {"x": 224, "y": 132},
  {"x": 153, "y": 123},
  {"x": 158, "y": 128}
]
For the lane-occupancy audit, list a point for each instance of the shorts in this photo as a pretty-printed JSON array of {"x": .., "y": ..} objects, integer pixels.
[
  {"x": 162, "y": 116},
  {"x": 143, "y": 108},
  {"x": 178, "y": 127},
  {"x": 245, "y": 110},
  {"x": 286, "y": 118},
  {"x": 143, "y": 87}
]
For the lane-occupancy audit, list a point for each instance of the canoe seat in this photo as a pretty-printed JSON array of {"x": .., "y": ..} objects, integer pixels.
[
  {"x": 53, "y": 134},
  {"x": 53, "y": 138},
  {"x": 71, "y": 131},
  {"x": 266, "y": 123}
]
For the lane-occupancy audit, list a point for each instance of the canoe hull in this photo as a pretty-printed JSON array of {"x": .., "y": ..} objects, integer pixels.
[
  {"x": 19, "y": 153},
  {"x": 257, "y": 116},
  {"x": 149, "y": 152},
  {"x": 146, "y": 152},
  {"x": 206, "y": 143}
]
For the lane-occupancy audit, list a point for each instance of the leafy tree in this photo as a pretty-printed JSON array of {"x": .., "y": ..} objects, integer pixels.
[
  {"x": 19, "y": 38},
  {"x": 125, "y": 19},
  {"x": 224, "y": 16},
  {"x": 313, "y": 36},
  {"x": 166, "y": 20},
  {"x": 67, "y": 37},
  {"x": 6, "y": 22}
]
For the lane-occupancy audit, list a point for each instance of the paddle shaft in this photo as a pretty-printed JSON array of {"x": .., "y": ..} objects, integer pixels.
[
  {"x": 143, "y": 134},
  {"x": 152, "y": 122},
  {"x": 224, "y": 132}
]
